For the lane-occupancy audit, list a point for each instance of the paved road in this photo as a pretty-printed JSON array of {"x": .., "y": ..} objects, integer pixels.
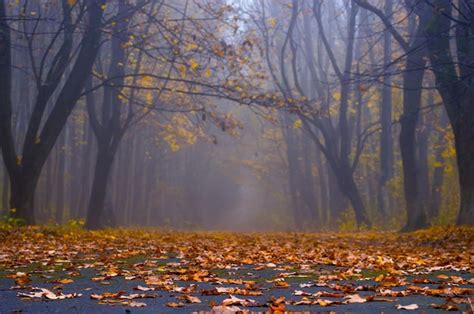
[{"x": 10, "y": 302}]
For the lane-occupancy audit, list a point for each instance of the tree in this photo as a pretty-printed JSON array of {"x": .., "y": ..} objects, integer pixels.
[
  {"x": 337, "y": 140},
  {"x": 53, "y": 77},
  {"x": 455, "y": 82},
  {"x": 413, "y": 74}
]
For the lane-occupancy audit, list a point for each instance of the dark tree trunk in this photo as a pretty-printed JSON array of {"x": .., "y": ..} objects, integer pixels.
[
  {"x": 102, "y": 169},
  {"x": 464, "y": 139},
  {"x": 308, "y": 188},
  {"x": 48, "y": 184},
  {"x": 337, "y": 200},
  {"x": 22, "y": 199},
  {"x": 423, "y": 139},
  {"x": 109, "y": 130},
  {"x": 323, "y": 189},
  {"x": 345, "y": 180},
  {"x": 386, "y": 138},
  {"x": 60, "y": 182},
  {"x": 86, "y": 166},
  {"x": 412, "y": 79},
  {"x": 292, "y": 159},
  {"x": 438, "y": 172},
  {"x": 5, "y": 190}
]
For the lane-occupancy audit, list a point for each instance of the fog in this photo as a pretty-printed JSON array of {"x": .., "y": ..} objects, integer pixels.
[{"x": 233, "y": 115}]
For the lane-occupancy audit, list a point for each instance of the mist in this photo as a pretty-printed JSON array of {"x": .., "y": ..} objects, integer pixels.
[{"x": 233, "y": 115}]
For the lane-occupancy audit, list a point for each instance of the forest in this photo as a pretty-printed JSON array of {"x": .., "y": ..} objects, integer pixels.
[{"x": 305, "y": 154}]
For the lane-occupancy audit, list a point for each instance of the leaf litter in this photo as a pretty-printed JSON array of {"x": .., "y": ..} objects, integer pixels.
[{"x": 343, "y": 268}]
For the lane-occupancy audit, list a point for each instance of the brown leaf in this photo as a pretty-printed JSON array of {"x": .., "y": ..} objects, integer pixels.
[
  {"x": 174, "y": 304},
  {"x": 189, "y": 298}
]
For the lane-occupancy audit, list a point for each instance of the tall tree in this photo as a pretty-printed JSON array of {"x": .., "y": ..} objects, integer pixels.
[
  {"x": 386, "y": 136},
  {"x": 44, "y": 128},
  {"x": 413, "y": 74},
  {"x": 455, "y": 82}
]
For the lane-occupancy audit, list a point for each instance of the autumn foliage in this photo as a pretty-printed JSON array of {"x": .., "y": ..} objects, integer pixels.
[{"x": 226, "y": 271}]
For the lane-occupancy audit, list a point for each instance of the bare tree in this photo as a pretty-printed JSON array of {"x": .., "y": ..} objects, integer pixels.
[
  {"x": 455, "y": 82},
  {"x": 24, "y": 168}
]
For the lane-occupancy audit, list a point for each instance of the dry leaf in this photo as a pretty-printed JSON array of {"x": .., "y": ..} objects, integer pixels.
[{"x": 409, "y": 307}]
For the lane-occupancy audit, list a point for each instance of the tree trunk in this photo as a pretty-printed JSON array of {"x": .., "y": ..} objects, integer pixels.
[
  {"x": 60, "y": 182},
  {"x": 412, "y": 79},
  {"x": 292, "y": 159},
  {"x": 465, "y": 152},
  {"x": 438, "y": 173},
  {"x": 99, "y": 187},
  {"x": 5, "y": 190},
  {"x": 454, "y": 80},
  {"x": 423, "y": 139},
  {"x": 22, "y": 199},
  {"x": 308, "y": 187},
  {"x": 337, "y": 202},
  {"x": 324, "y": 215},
  {"x": 386, "y": 138},
  {"x": 345, "y": 180}
]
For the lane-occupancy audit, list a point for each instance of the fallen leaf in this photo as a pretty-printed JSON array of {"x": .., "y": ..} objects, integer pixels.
[
  {"x": 137, "y": 304},
  {"x": 174, "y": 304},
  {"x": 354, "y": 298},
  {"x": 409, "y": 307}
]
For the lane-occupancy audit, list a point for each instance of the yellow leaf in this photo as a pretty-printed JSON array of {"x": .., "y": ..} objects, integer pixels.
[
  {"x": 192, "y": 46},
  {"x": 297, "y": 124},
  {"x": 146, "y": 81},
  {"x": 65, "y": 280},
  {"x": 272, "y": 21},
  {"x": 193, "y": 64},
  {"x": 182, "y": 70},
  {"x": 207, "y": 73},
  {"x": 71, "y": 2}
]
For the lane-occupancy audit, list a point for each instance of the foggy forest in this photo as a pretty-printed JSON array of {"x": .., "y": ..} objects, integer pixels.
[{"x": 223, "y": 156}]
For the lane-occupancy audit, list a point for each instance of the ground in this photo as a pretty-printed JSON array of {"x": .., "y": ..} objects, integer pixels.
[{"x": 58, "y": 269}]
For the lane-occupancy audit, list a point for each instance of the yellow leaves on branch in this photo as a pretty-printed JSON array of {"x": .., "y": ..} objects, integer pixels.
[
  {"x": 182, "y": 70},
  {"x": 193, "y": 64},
  {"x": 272, "y": 22},
  {"x": 179, "y": 130},
  {"x": 146, "y": 81},
  {"x": 192, "y": 46}
]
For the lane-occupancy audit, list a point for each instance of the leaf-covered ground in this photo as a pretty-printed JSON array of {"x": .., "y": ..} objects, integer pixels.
[{"x": 62, "y": 270}]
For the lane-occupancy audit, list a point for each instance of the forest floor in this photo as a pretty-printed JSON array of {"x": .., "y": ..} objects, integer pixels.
[{"x": 58, "y": 270}]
